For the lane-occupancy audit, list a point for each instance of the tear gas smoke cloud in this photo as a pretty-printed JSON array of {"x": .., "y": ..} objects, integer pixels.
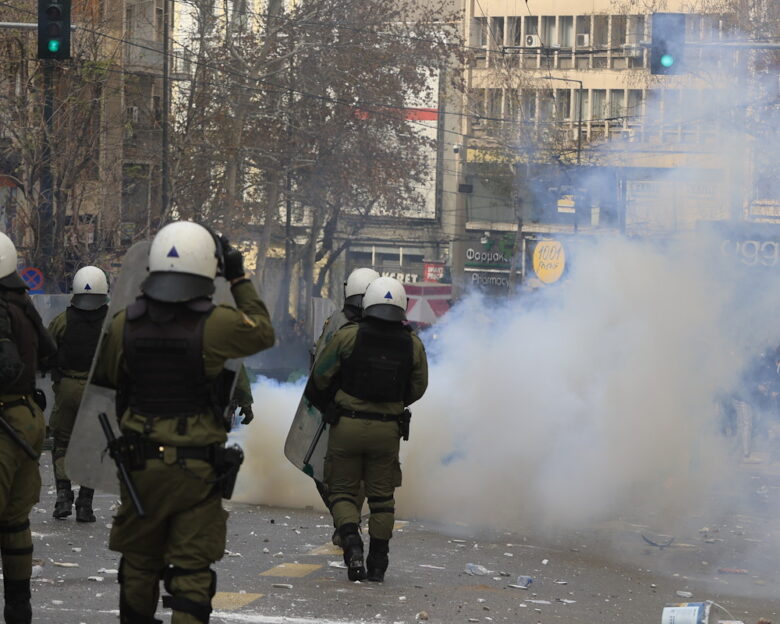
[{"x": 594, "y": 399}]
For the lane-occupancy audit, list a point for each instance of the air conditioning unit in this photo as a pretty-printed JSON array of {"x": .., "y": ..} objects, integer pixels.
[
  {"x": 583, "y": 40},
  {"x": 533, "y": 41}
]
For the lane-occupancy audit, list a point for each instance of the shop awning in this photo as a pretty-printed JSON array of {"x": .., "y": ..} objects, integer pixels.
[{"x": 428, "y": 301}]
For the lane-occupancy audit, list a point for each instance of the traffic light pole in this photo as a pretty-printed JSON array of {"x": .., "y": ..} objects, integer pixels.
[{"x": 46, "y": 227}]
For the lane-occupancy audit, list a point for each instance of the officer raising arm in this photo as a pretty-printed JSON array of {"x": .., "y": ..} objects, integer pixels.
[
  {"x": 363, "y": 379},
  {"x": 23, "y": 343},
  {"x": 164, "y": 354},
  {"x": 76, "y": 332}
]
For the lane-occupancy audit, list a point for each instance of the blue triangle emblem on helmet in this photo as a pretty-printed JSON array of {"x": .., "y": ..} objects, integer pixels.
[
  {"x": 173, "y": 253},
  {"x": 388, "y": 295},
  {"x": 87, "y": 287}
]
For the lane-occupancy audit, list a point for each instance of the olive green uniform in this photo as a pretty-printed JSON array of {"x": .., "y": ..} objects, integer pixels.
[
  {"x": 184, "y": 530},
  {"x": 362, "y": 449},
  {"x": 20, "y": 480},
  {"x": 67, "y": 398}
]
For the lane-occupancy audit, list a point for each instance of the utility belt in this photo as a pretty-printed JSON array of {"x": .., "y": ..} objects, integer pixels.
[
  {"x": 135, "y": 450},
  {"x": 24, "y": 399},
  {"x": 334, "y": 412}
]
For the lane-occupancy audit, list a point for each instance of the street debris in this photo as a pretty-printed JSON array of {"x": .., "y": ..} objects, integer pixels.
[
  {"x": 107, "y": 571},
  {"x": 337, "y": 564},
  {"x": 524, "y": 581},
  {"x": 659, "y": 545},
  {"x": 99, "y": 579},
  {"x": 732, "y": 571},
  {"x": 477, "y": 570},
  {"x": 432, "y": 567},
  {"x": 422, "y": 616},
  {"x": 560, "y": 582},
  {"x": 684, "y": 594},
  {"x": 65, "y": 564},
  {"x": 282, "y": 586},
  {"x": 545, "y": 561},
  {"x": 233, "y": 554}
]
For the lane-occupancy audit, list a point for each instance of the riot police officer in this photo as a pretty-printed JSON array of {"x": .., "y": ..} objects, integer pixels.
[
  {"x": 354, "y": 289},
  {"x": 165, "y": 356},
  {"x": 363, "y": 380},
  {"x": 23, "y": 344},
  {"x": 76, "y": 332}
]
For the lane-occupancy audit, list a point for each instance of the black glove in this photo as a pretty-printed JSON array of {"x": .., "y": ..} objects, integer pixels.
[
  {"x": 234, "y": 261},
  {"x": 247, "y": 413}
]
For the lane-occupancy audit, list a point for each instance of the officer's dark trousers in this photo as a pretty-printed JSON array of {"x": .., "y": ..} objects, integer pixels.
[
  {"x": 67, "y": 397},
  {"x": 20, "y": 487},
  {"x": 366, "y": 450},
  {"x": 182, "y": 534}
]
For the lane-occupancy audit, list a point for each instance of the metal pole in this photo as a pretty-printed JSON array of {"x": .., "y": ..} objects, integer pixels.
[
  {"x": 164, "y": 200},
  {"x": 45, "y": 206}
]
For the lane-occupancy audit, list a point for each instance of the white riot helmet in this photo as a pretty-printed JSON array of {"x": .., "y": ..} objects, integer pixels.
[
  {"x": 183, "y": 261},
  {"x": 8, "y": 275},
  {"x": 90, "y": 288},
  {"x": 356, "y": 284},
  {"x": 385, "y": 299}
]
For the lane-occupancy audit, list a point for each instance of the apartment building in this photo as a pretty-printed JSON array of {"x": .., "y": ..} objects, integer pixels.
[{"x": 565, "y": 129}]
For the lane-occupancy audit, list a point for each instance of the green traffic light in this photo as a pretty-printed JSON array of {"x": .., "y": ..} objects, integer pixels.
[
  {"x": 53, "y": 45},
  {"x": 667, "y": 60}
]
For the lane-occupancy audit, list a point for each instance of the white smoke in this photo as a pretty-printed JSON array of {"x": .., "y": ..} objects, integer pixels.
[{"x": 595, "y": 399}]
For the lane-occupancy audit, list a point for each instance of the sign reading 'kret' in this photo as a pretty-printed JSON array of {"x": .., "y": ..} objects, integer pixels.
[{"x": 549, "y": 261}]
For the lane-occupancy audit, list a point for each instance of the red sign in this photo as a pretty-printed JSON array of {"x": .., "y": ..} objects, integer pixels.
[{"x": 433, "y": 271}]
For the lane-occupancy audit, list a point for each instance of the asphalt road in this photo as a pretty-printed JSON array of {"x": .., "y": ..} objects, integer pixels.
[{"x": 280, "y": 567}]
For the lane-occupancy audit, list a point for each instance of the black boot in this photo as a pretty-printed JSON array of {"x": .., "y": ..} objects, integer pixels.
[
  {"x": 377, "y": 560},
  {"x": 353, "y": 551},
  {"x": 17, "y": 602},
  {"x": 84, "y": 511},
  {"x": 64, "y": 505}
]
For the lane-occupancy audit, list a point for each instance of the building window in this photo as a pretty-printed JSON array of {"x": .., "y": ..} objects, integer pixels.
[
  {"x": 566, "y": 31},
  {"x": 563, "y": 104},
  {"x": 129, "y": 21},
  {"x": 599, "y": 105},
  {"x": 548, "y": 34},
  {"x": 159, "y": 23}
]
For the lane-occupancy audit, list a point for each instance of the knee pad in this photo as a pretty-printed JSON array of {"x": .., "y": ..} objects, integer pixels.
[{"x": 198, "y": 610}]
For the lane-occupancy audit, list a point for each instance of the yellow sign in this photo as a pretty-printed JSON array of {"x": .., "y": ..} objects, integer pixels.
[{"x": 549, "y": 261}]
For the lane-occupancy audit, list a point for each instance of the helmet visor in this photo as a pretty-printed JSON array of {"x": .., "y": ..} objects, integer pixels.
[
  {"x": 385, "y": 312},
  {"x": 173, "y": 287},
  {"x": 88, "y": 302}
]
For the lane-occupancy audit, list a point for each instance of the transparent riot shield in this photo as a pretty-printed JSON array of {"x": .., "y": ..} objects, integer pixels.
[
  {"x": 86, "y": 461},
  {"x": 307, "y": 440},
  {"x": 49, "y": 307}
]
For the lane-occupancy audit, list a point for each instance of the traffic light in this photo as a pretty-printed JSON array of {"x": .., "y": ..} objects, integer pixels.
[
  {"x": 54, "y": 29},
  {"x": 667, "y": 49}
]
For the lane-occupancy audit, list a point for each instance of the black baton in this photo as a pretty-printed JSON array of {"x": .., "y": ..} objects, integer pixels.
[
  {"x": 18, "y": 440},
  {"x": 124, "y": 474}
]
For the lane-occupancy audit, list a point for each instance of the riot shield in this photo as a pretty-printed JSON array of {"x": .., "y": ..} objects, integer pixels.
[
  {"x": 307, "y": 440},
  {"x": 48, "y": 307},
  {"x": 86, "y": 462}
]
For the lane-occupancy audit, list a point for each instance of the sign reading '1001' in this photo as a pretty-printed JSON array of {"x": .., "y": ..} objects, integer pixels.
[
  {"x": 753, "y": 252},
  {"x": 549, "y": 260}
]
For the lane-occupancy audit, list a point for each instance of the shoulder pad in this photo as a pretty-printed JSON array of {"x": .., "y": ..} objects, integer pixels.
[{"x": 136, "y": 309}]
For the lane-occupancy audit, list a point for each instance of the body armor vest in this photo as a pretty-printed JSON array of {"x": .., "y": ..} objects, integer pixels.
[
  {"x": 79, "y": 341},
  {"x": 26, "y": 338},
  {"x": 163, "y": 351},
  {"x": 379, "y": 367}
]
